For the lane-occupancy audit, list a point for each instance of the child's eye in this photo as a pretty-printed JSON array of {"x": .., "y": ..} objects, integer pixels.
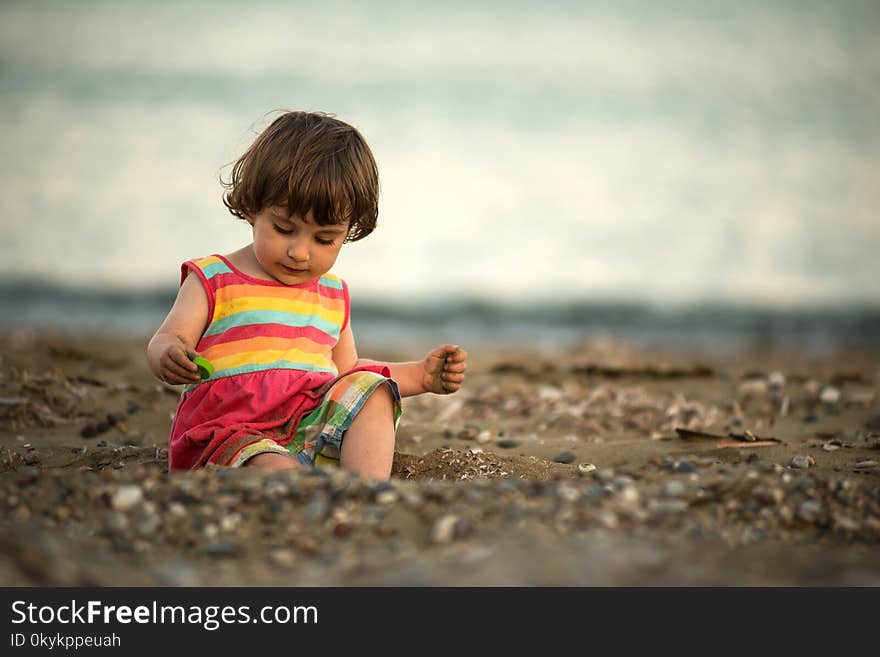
[
  {"x": 324, "y": 242},
  {"x": 283, "y": 231}
]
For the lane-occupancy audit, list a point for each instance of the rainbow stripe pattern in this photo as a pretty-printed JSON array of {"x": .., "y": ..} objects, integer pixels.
[{"x": 261, "y": 325}]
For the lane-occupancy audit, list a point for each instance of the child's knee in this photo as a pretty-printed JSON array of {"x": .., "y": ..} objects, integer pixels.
[{"x": 380, "y": 399}]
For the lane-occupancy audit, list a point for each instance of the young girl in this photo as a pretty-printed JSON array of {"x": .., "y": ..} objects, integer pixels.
[{"x": 288, "y": 388}]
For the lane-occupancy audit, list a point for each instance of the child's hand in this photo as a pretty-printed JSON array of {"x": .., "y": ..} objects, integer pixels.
[
  {"x": 176, "y": 366},
  {"x": 444, "y": 369}
]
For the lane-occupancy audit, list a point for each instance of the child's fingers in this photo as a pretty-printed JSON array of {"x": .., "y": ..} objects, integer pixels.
[
  {"x": 173, "y": 367},
  {"x": 455, "y": 367},
  {"x": 458, "y": 356},
  {"x": 181, "y": 360}
]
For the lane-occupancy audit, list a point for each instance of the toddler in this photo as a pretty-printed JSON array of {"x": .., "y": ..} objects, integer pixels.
[{"x": 287, "y": 387}]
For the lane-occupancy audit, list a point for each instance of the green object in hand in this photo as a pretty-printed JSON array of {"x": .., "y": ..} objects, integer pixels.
[{"x": 206, "y": 368}]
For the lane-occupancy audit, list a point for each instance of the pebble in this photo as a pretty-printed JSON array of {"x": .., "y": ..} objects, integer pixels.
[
  {"x": 585, "y": 468},
  {"x": 116, "y": 522},
  {"x": 802, "y": 461},
  {"x": 148, "y": 525},
  {"x": 564, "y": 457},
  {"x": 445, "y": 529},
  {"x": 484, "y": 437},
  {"x": 776, "y": 379},
  {"x": 809, "y": 510},
  {"x": 27, "y": 474},
  {"x": 829, "y": 395},
  {"x": 674, "y": 488},
  {"x": 115, "y": 417},
  {"x": 220, "y": 550},
  {"x": 508, "y": 443},
  {"x": 126, "y": 497},
  {"x": 386, "y": 497},
  {"x": 283, "y": 557},
  {"x": 685, "y": 466},
  {"x": 866, "y": 464},
  {"x": 629, "y": 494},
  {"x": 316, "y": 510},
  {"x": 769, "y": 496},
  {"x": 753, "y": 388},
  {"x": 669, "y": 507}
]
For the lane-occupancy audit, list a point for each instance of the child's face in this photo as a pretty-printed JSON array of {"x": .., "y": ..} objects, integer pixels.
[{"x": 295, "y": 250}]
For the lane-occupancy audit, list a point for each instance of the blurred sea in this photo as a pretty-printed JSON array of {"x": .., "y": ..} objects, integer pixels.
[
  {"x": 479, "y": 324},
  {"x": 686, "y": 171}
]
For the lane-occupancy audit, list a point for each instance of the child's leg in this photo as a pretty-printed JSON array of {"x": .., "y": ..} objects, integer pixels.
[
  {"x": 272, "y": 461},
  {"x": 368, "y": 447}
]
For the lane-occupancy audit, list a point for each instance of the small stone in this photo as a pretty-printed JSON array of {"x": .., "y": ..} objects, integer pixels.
[
  {"x": 629, "y": 495},
  {"x": 564, "y": 457},
  {"x": 585, "y": 468},
  {"x": 27, "y": 475},
  {"x": 809, "y": 510},
  {"x": 769, "y": 496},
  {"x": 220, "y": 550},
  {"x": 115, "y": 417},
  {"x": 845, "y": 523},
  {"x": 316, "y": 510},
  {"x": 386, "y": 497},
  {"x": 89, "y": 431},
  {"x": 508, "y": 443},
  {"x": 147, "y": 526},
  {"x": 283, "y": 557},
  {"x": 132, "y": 407},
  {"x": 802, "y": 461},
  {"x": 685, "y": 466},
  {"x": 126, "y": 497},
  {"x": 116, "y": 522},
  {"x": 753, "y": 388},
  {"x": 829, "y": 395},
  {"x": 484, "y": 437},
  {"x": 866, "y": 464},
  {"x": 674, "y": 488},
  {"x": 669, "y": 507},
  {"x": 809, "y": 418},
  {"x": 831, "y": 446},
  {"x": 776, "y": 379},
  {"x": 445, "y": 529}
]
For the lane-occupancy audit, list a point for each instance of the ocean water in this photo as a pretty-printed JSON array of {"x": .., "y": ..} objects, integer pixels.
[{"x": 566, "y": 155}]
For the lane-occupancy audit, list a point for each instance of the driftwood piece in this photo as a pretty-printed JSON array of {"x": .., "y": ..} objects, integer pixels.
[{"x": 745, "y": 439}]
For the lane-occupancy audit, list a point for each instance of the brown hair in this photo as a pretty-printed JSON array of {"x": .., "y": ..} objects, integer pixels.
[{"x": 308, "y": 161}]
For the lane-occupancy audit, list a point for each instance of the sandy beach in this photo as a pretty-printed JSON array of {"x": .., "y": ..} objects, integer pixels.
[{"x": 600, "y": 465}]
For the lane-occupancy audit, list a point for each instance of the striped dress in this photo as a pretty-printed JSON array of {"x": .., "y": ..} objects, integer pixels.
[{"x": 271, "y": 346}]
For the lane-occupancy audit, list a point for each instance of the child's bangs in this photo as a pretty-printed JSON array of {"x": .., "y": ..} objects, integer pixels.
[{"x": 326, "y": 191}]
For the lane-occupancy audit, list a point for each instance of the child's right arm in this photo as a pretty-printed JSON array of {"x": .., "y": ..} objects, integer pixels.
[{"x": 172, "y": 348}]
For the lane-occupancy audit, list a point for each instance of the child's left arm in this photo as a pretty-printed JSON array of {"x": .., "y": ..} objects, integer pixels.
[{"x": 441, "y": 371}]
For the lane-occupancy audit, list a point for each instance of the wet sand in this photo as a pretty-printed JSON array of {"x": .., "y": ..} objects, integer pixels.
[{"x": 598, "y": 465}]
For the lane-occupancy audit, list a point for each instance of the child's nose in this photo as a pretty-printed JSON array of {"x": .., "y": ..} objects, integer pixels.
[{"x": 299, "y": 250}]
